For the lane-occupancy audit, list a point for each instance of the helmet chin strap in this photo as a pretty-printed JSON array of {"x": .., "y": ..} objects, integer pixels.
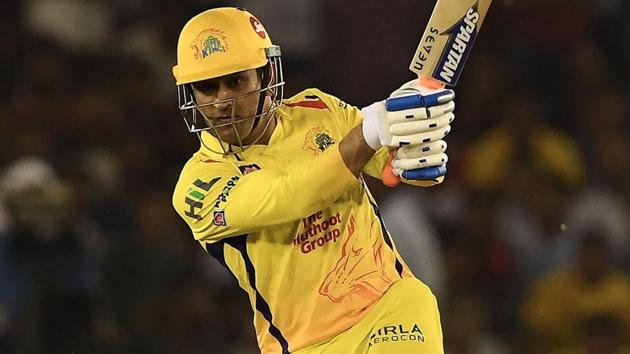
[{"x": 261, "y": 97}]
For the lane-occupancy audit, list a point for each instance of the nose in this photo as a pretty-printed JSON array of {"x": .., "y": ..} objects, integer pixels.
[{"x": 222, "y": 98}]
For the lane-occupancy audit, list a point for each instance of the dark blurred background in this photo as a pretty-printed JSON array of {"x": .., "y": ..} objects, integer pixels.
[{"x": 527, "y": 243}]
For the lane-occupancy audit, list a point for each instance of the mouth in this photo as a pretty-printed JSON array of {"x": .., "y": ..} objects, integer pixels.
[{"x": 220, "y": 121}]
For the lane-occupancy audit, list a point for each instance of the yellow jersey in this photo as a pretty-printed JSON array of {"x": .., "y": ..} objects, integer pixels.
[{"x": 301, "y": 234}]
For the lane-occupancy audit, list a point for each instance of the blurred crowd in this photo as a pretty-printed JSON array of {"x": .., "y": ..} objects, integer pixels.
[{"x": 527, "y": 243}]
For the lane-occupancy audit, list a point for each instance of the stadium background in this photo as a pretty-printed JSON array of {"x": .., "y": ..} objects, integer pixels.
[{"x": 527, "y": 243}]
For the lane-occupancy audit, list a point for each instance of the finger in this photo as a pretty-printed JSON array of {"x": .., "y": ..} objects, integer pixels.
[
  {"x": 413, "y": 97},
  {"x": 438, "y": 98},
  {"x": 418, "y": 113},
  {"x": 415, "y": 151},
  {"x": 425, "y": 174},
  {"x": 441, "y": 109},
  {"x": 419, "y": 126},
  {"x": 407, "y": 115},
  {"x": 419, "y": 138},
  {"x": 426, "y": 161}
]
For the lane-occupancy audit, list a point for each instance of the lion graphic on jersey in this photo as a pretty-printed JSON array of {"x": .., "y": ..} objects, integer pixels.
[
  {"x": 317, "y": 140},
  {"x": 360, "y": 269}
]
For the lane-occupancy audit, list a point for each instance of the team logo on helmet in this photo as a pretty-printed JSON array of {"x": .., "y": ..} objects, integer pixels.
[
  {"x": 317, "y": 140},
  {"x": 207, "y": 42},
  {"x": 258, "y": 27}
]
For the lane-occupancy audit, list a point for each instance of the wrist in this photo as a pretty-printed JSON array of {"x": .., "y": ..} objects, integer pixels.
[
  {"x": 355, "y": 151},
  {"x": 371, "y": 125},
  {"x": 369, "y": 138}
]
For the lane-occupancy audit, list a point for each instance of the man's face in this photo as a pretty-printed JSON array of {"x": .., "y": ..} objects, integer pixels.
[{"x": 226, "y": 87}]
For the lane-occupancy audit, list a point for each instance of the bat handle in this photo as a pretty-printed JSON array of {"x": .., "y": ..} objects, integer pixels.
[
  {"x": 389, "y": 178},
  {"x": 430, "y": 83}
]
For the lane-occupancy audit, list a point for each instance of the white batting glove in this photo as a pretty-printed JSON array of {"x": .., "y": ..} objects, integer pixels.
[
  {"x": 412, "y": 115},
  {"x": 411, "y": 161}
]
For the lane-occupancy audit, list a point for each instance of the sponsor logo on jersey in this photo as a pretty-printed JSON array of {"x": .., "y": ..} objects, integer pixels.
[
  {"x": 225, "y": 193},
  {"x": 219, "y": 218},
  {"x": 317, "y": 231},
  {"x": 219, "y": 214},
  {"x": 196, "y": 195},
  {"x": 317, "y": 140},
  {"x": 397, "y": 333},
  {"x": 258, "y": 27},
  {"x": 245, "y": 169},
  {"x": 208, "y": 42}
]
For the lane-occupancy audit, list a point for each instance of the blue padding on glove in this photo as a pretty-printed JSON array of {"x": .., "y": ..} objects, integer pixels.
[
  {"x": 414, "y": 101},
  {"x": 425, "y": 174},
  {"x": 405, "y": 102}
]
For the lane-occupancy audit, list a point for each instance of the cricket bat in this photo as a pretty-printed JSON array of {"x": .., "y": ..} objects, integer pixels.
[{"x": 443, "y": 50}]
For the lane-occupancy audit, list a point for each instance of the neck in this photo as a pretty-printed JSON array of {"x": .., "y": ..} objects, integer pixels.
[{"x": 263, "y": 131}]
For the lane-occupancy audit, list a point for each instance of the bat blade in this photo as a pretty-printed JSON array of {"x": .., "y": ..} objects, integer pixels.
[
  {"x": 448, "y": 39},
  {"x": 442, "y": 52}
]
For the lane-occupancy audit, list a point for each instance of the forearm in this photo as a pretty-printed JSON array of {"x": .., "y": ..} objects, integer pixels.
[{"x": 354, "y": 151}]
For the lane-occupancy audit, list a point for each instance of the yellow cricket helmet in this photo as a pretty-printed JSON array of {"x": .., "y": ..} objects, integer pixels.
[{"x": 218, "y": 42}]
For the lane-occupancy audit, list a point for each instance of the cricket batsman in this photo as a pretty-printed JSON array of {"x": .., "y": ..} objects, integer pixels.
[{"x": 275, "y": 193}]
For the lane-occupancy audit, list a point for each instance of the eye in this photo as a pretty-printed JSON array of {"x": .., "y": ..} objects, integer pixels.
[
  {"x": 205, "y": 86},
  {"x": 236, "y": 82}
]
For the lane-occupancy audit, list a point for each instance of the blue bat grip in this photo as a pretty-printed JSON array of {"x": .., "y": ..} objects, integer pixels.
[{"x": 425, "y": 174}]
